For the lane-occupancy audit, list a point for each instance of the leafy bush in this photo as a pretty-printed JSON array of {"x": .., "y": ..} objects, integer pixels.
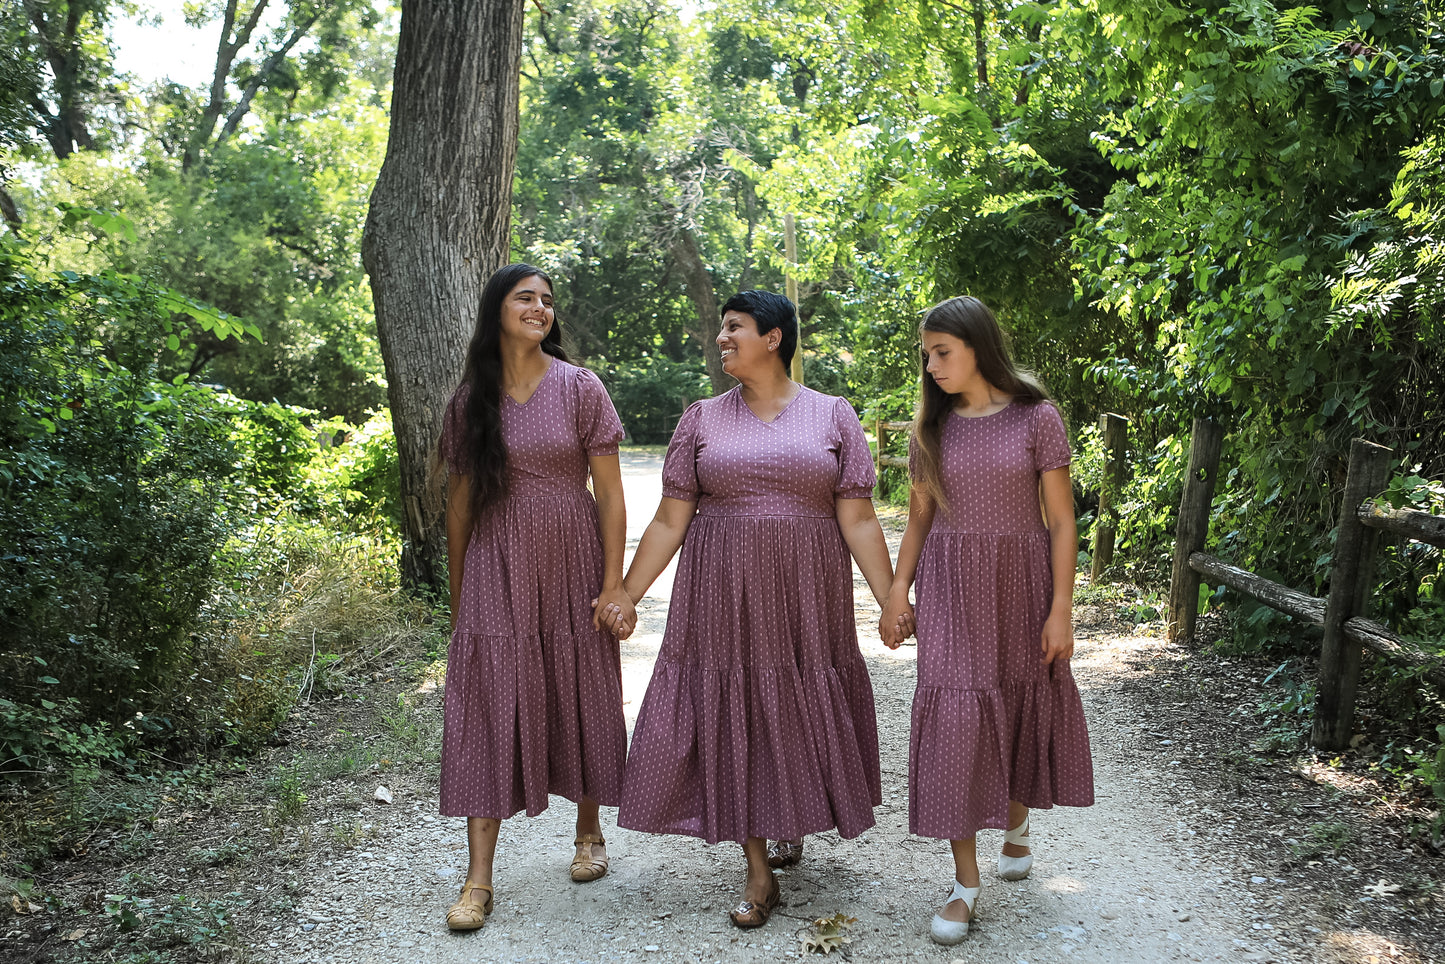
[
  {"x": 651, "y": 393},
  {"x": 112, "y": 483}
]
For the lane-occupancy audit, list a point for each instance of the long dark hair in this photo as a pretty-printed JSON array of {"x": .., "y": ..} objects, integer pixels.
[
  {"x": 482, "y": 451},
  {"x": 969, "y": 319}
]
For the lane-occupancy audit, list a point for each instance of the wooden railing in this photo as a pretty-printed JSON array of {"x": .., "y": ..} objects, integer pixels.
[
  {"x": 880, "y": 433},
  {"x": 1342, "y": 614}
]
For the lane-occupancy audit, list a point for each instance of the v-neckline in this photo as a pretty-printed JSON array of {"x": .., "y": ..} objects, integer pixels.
[
  {"x": 775, "y": 418},
  {"x": 551, "y": 364}
]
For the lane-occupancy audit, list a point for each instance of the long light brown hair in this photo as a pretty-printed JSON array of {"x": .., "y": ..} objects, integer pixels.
[{"x": 968, "y": 319}]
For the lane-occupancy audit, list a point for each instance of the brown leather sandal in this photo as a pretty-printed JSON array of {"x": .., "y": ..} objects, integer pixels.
[
  {"x": 756, "y": 913},
  {"x": 784, "y": 853},
  {"x": 588, "y": 864},
  {"x": 468, "y": 913}
]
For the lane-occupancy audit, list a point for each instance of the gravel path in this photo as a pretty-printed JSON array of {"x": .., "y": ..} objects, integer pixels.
[{"x": 1147, "y": 874}]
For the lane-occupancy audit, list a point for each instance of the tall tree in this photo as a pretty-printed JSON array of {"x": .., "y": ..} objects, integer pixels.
[
  {"x": 65, "y": 36},
  {"x": 438, "y": 226}
]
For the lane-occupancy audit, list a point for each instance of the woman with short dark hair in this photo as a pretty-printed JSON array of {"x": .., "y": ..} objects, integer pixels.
[{"x": 758, "y": 721}]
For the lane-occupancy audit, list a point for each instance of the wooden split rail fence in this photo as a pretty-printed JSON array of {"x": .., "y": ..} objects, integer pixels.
[
  {"x": 880, "y": 434},
  {"x": 1343, "y": 613}
]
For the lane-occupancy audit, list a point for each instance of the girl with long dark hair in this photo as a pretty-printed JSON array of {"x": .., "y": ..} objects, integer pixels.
[
  {"x": 534, "y": 679},
  {"x": 998, "y": 726}
]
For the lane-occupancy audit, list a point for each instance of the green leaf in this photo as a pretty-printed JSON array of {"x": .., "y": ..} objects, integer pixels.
[
  {"x": 173, "y": 343},
  {"x": 1437, "y": 86},
  {"x": 47, "y": 704},
  {"x": 50, "y": 680}
]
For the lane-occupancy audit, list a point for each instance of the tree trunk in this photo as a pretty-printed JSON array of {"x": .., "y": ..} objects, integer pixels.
[
  {"x": 704, "y": 300},
  {"x": 438, "y": 226}
]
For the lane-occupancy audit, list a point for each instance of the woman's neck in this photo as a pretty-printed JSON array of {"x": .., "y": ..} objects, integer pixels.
[
  {"x": 978, "y": 397},
  {"x": 771, "y": 387},
  {"x": 521, "y": 363}
]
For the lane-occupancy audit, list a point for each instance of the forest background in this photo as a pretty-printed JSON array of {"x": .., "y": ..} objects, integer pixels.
[{"x": 1232, "y": 210}]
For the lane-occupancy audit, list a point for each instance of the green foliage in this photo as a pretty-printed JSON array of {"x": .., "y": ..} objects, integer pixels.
[
  {"x": 112, "y": 483},
  {"x": 52, "y": 735},
  {"x": 652, "y": 393}
]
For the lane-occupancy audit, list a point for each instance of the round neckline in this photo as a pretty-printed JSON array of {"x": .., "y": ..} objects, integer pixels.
[{"x": 979, "y": 418}]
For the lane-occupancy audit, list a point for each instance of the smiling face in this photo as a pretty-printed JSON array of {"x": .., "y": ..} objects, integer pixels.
[
  {"x": 743, "y": 349},
  {"x": 527, "y": 311},
  {"x": 949, "y": 360}
]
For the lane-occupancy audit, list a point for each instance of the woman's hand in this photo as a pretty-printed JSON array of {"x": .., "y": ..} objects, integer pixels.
[
  {"x": 1058, "y": 636},
  {"x": 613, "y": 612}
]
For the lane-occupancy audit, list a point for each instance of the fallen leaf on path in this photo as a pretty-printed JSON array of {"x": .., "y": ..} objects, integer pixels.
[
  {"x": 1383, "y": 889},
  {"x": 827, "y": 934},
  {"x": 22, "y": 906},
  {"x": 382, "y": 795},
  {"x": 74, "y": 935}
]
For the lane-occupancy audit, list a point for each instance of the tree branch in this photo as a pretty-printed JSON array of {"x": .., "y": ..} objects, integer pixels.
[{"x": 233, "y": 120}]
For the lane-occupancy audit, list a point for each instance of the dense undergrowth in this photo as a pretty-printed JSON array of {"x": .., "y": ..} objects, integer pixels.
[{"x": 180, "y": 570}]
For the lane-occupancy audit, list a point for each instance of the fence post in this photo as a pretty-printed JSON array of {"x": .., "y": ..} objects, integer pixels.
[
  {"x": 1115, "y": 429},
  {"x": 878, "y": 456},
  {"x": 1193, "y": 526},
  {"x": 1351, "y": 579}
]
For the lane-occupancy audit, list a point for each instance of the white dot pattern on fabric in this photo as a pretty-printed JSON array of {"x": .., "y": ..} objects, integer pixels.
[
  {"x": 759, "y": 718},
  {"x": 533, "y": 692},
  {"x": 991, "y": 722}
]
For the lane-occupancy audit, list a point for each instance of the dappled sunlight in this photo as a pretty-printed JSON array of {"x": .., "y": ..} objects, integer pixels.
[{"x": 1063, "y": 885}]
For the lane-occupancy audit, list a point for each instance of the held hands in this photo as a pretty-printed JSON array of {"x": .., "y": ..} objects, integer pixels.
[
  {"x": 1058, "y": 636},
  {"x": 614, "y": 612},
  {"x": 897, "y": 623}
]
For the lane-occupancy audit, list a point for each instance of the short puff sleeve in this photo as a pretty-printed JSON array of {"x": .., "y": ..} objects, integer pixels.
[
  {"x": 598, "y": 426},
  {"x": 453, "y": 429},
  {"x": 679, "y": 468},
  {"x": 856, "y": 478},
  {"x": 1049, "y": 438}
]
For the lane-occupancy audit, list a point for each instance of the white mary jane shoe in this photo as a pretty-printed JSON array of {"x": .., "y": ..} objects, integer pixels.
[
  {"x": 1016, "y": 868},
  {"x": 953, "y": 931}
]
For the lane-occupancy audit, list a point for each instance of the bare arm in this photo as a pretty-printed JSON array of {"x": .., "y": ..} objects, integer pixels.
[
  {"x": 898, "y": 613},
  {"x": 612, "y": 523},
  {"x": 864, "y": 536},
  {"x": 1058, "y": 498},
  {"x": 459, "y": 534},
  {"x": 659, "y": 544}
]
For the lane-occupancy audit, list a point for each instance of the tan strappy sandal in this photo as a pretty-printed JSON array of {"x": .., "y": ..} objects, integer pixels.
[
  {"x": 589, "y": 864},
  {"x": 749, "y": 913},
  {"x": 468, "y": 913}
]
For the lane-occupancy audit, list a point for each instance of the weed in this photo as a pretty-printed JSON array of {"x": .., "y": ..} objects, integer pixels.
[
  {"x": 126, "y": 911},
  {"x": 1323, "y": 839},
  {"x": 1285, "y": 713},
  {"x": 190, "y": 920},
  {"x": 226, "y": 854},
  {"x": 351, "y": 833},
  {"x": 288, "y": 798}
]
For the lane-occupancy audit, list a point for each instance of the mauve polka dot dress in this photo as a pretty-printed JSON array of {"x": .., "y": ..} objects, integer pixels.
[
  {"x": 759, "y": 719},
  {"x": 990, "y": 721},
  {"x": 533, "y": 692}
]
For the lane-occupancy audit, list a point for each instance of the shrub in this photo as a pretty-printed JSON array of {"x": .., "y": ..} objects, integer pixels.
[
  {"x": 110, "y": 487},
  {"x": 651, "y": 393}
]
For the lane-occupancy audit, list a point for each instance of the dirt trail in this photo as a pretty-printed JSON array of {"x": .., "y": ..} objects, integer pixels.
[{"x": 1147, "y": 874}]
